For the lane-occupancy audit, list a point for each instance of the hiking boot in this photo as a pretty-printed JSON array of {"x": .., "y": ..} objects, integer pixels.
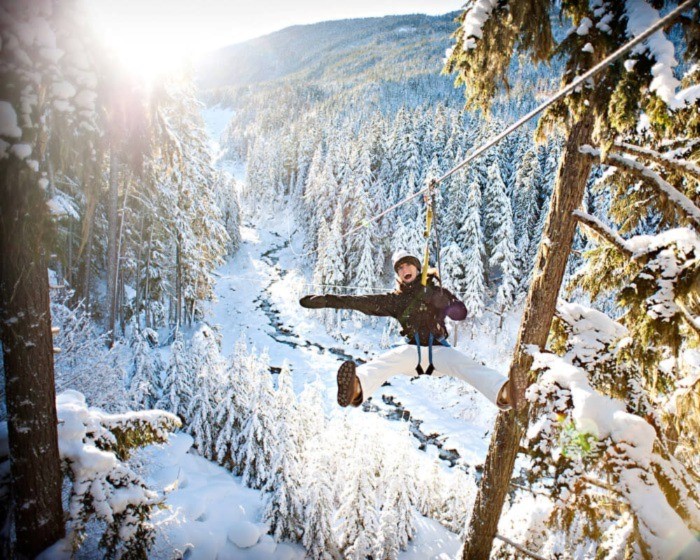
[
  {"x": 506, "y": 398},
  {"x": 349, "y": 389}
]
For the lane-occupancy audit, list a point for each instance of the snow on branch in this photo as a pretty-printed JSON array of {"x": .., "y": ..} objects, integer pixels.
[
  {"x": 590, "y": 333},
  {"x": 641, "y": 16},
  {"x": 665, "y": 160},
  {"x": 103, "y": 485},
  {"x": 627, "y": 444},
  {"x": 650, "y": 177},
  {"x": 603, "y": 231},
  {"x": 474, "y": 21}
]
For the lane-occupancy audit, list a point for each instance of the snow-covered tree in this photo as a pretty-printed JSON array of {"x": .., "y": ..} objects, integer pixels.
[
  {"x": 318, "y": 536},
  {"x": 145, "y": 385},
  {"x": 179, "y": 382},
  {"x": 207, "y": 366},
  {"x": 258, "y": 440},
  {"x": 471, "y": 239},
  {"x": 284, "y": 510},
  {"x": 358, "y": 516},
  {"x": 94, "y": 448},
  {"x": 232, "y": 410}
]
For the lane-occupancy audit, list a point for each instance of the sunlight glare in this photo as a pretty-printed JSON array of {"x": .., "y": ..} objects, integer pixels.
[{"x": 143, "y": 37}]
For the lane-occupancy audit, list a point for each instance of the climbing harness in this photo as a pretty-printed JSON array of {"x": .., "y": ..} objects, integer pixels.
[{"x": 431, "y": 339}]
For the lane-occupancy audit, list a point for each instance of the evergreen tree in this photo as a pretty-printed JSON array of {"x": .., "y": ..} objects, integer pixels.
[
  {"x": 358, "y": 515},
  {"x": 145, "y": 385},
  {"x": 284, "y": 509},
  {"x": 257, "y": 442},
  {"x": 399, "y": 505},
  {"x": 207, "y": 366},
  {"x": 232, "y": 410},
  {"x": 470, "y": 238},
  {"x": 524, "y": 211},
  {"x": 178, "y": 384},
  {"x": 318, "y": 536},
  {"x": 500, "y": 238}
]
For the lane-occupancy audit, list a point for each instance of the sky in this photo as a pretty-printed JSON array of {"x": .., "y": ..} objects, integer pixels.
[{"x": 160, "y": 32}]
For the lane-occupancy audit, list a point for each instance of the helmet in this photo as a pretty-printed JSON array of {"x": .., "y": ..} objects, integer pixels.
[{"x": 401, "y": 256}]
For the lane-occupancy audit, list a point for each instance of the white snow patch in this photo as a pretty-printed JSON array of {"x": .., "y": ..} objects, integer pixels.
[
  {"x": 584, "y": 27},
  {"x": 641, "y": 16},
  {"x": 8, "y": 121},
  {"x": 474, "y": 21},
  {"x": 21, "y": 151}
]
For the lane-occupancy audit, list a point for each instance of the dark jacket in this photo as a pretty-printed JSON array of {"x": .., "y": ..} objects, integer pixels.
[{"x": 417, "y": 308}]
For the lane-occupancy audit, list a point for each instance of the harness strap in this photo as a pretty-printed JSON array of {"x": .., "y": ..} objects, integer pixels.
[{"x": 431, "y": 339}]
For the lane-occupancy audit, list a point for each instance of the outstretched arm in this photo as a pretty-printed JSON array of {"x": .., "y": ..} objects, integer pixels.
[{"x": 380, "y": 305}]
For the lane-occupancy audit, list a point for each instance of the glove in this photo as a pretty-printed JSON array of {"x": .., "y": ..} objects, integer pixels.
[{"x": 313, "y": 302}]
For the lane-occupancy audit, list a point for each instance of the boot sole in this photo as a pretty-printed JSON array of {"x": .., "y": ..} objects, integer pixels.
[{"x": 346, "y": 383}]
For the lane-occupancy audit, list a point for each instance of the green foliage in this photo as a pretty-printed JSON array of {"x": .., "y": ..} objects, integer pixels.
[
  {"x": 138, "y": 430},
  {"x": 513, "y": 26},
  {"x": 576, "y": 445},
  {"x": 624, "y": 105}
]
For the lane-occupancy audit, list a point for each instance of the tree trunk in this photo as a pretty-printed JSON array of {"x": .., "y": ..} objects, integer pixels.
[
  {"x": 25, "y": 326},
  {"x": 178, "y": 285},
  {"x": 137, "y": 275},
  {"x": 112, "y": 242},
  {"x": 146, "y": 296},
  {"x": 550, "y": 265},
  {"x": 86, "y": 243}
]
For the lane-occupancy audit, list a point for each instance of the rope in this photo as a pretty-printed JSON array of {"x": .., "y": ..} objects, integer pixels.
[
  {"x": 615, "y": 56},
  {"x": 426, "y": 233}
]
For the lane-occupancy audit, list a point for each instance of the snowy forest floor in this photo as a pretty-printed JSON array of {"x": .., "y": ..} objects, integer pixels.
[{"x": 258, "y": 290}]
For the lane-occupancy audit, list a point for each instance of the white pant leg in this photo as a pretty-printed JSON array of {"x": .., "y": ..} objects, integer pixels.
[
  {"x": 399, "y": 360},
  {"x": 448, "y": 361}
]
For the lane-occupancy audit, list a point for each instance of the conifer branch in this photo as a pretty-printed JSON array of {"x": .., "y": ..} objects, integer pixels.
[
  {"x": 651, "y": 178},
  {"x": 520, "y": 548},
  {"x": 604, "y": 231},
  {"x": 693, "y": 322},
  {"x": 671, "y": 164}
]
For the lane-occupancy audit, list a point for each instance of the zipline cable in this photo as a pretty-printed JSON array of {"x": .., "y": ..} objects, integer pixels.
[{"x": 624, "y": 49}]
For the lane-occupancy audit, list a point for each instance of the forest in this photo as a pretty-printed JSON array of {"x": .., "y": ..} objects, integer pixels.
[{"x": 155, "y": 239}]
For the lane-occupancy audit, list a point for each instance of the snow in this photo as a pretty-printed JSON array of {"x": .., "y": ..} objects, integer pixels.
[
  {"x": 243, "y": 280},
  {"x": 266, "y": 268},
  {"x": 669, "y": 190},
  {"x": 631, "y": 440},
  {"x": 21, "y": 151},
  {"x": 8, "y": 121},
  {"x": 584, "y": 27},
  {"x": 641, "y": 16},
  {"x": 209, "y": 512},
  {"x": 246, "y": 534},
  {"x": 63, "y": 90},
  {"x": 474, "y": 21}
]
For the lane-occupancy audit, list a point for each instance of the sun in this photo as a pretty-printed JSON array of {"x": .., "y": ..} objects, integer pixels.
[{"x": 144, "y": 36}]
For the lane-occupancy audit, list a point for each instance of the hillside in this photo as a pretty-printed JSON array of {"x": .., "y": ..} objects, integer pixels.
[{"x": 393, "y": 47}]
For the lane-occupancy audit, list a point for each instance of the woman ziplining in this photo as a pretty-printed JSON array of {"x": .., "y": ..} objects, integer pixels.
[{"x": 421, "y": 306}]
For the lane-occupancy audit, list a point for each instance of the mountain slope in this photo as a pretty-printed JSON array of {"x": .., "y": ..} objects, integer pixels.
[{"x": 392, "y": 47}]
